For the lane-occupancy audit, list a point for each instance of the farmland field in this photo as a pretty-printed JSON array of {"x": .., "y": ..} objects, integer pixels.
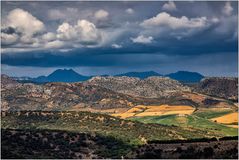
[
  {"x": 141, "y": 111},
  {"x": 212, "y": 113},
  {"x": 213, "y": 119},
  {"x": 230, "y": 118},
  {"x": 187, "y": 121}
]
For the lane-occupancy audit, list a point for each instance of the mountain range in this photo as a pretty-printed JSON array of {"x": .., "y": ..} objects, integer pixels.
[
  {"x": 98, "y": 92},
  {"x": 69, "y": 75},
  {"x": 115, "y": 92}
]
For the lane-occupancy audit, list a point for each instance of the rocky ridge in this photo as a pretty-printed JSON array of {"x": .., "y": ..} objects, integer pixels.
[
  {"x": 63, "y": 96},
  {"x": 152, "y": 87},
  {"x": 100, "y": 93}
]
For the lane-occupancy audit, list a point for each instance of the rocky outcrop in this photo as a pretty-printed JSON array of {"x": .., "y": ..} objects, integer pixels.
[
  {"x": 152, "y": 87},
  {"x": 62, "y": 96}
]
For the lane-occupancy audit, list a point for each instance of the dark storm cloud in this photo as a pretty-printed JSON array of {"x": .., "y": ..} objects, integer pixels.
[{"x": 208, "y": 29}]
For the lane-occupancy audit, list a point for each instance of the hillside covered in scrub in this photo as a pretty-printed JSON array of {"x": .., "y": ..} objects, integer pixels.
[{"x": 47, "y": 134}]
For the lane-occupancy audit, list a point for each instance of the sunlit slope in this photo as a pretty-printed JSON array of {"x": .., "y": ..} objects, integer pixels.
[
  {"x": 141, "y": 111},
  {"x": 189, "y": 121},
  {"x": 210, "y": 113}
]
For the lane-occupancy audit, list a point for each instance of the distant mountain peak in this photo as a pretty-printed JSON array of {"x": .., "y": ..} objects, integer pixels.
[
  {"x": 62, "y": 75},
  {"x": 186, "y": 76}
]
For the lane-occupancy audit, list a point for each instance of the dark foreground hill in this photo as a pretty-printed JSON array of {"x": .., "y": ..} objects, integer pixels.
[
  {"x": 201, "y": 149},
  {"x": 39, "y": 134}
]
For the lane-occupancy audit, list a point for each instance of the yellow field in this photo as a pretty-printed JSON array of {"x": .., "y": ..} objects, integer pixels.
[
  {"x": 142, "y": 110},
  {"x": 227, "y": 119}
]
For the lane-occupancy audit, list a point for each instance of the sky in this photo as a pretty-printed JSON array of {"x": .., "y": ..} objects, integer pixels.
[{"x": 96, "y": 38}]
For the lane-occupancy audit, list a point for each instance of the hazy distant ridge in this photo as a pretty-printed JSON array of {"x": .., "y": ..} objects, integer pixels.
[{"x": 69, "y": 75}]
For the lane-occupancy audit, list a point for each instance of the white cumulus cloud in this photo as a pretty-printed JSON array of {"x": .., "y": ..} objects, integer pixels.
[
  {"x": 84, "y": 32},
  {"x": 21, "y": 29},
  {"x": 129, "y": 11},
  {"x": 8, "y": 39},
  {"x": 49, "y": 36},
  {"x": 116, "y": 45},
  {"x": 66, "y": 32},
  {"x": 166, "y": 20},
  {"x": 170, "y": 6},
  {"x": 55, "y": 44},
  {"x": 101, "y": 15},
  {"x": 24, "y": 22},
  {"x": 142, "y": 39}
]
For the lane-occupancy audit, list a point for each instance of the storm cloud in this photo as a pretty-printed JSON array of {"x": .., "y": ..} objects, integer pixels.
[{"x": 133, "y": 36}]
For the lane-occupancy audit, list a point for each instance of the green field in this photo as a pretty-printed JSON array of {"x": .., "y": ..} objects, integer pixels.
[
  {"x": 212, "y": 114},
  {"x": 190, "y": 121}
]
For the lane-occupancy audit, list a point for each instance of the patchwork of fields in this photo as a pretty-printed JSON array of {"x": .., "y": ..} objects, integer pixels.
[{"x": 219, "y": 120}]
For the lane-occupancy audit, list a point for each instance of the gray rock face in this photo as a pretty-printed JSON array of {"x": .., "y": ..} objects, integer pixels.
[{"x": 152, "y": 87}]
